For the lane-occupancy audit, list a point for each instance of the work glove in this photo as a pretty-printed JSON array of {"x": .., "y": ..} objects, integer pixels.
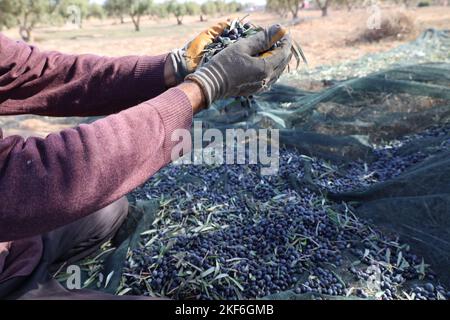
[
  {"x": 186, "y": 60},
  {"x": 246, "y": 67}
]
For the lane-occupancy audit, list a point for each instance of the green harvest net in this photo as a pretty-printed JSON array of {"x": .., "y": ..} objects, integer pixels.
[{"x": 375, "y": 101}]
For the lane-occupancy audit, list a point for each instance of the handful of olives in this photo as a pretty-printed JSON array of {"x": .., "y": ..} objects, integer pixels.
[{"x": 237, "y": 30}]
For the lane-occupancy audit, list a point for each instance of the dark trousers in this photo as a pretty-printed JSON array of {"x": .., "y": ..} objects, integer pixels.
[{"x": 68, "y": 245}]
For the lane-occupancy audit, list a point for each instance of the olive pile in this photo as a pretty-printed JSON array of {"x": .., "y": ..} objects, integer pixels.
[
  {"x": 227, "y": 232},
  {"x": 238, "y": 30},
  {"x": 233, "y": 33}
]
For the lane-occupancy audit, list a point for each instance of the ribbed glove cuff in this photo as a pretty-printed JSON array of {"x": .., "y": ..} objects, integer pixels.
[{"x": 212, "y": 82}]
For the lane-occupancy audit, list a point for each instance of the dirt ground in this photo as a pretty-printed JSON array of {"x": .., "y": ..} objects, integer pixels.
[{"x": 324, "y": 41}]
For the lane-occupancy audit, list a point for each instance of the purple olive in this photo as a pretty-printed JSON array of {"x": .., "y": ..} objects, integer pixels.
[{"x": 256, "y": 240}]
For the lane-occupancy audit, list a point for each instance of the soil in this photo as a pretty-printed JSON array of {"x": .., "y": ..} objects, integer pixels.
[{"x": 324, "y": 41}]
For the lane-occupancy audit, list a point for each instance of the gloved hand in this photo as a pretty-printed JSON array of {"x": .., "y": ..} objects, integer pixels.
[
  {"x": 187, "y": 59},
  {"x": 245, "y": 67}
]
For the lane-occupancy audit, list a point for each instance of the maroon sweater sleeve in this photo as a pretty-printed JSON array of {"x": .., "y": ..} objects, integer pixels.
[
  {"x": 48, "y": 183},
  {"x": 56, "y": 84}
]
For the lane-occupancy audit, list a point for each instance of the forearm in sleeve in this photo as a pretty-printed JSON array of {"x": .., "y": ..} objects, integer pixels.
[
  {"x": 48, "y": 183},
  {"x": 56, "y": 84}
]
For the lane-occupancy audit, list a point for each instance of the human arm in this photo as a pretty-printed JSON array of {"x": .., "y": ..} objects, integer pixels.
[
  {"x": 56, "y": 84},
  {"x": 48, "y": 183}
]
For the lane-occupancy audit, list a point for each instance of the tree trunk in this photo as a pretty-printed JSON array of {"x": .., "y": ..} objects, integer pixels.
[
  {"x": 323, "y": 7},
  {"x": 25, "y": 28},
  {"x": 25, "y": 33},
  {"x": 202, "y": 18},
  {"x": 179, "y": 21},
  {"x": 122, "y": 20},
  {"x": 349, "y": 5},
  {"x": 136, "y": 21}
]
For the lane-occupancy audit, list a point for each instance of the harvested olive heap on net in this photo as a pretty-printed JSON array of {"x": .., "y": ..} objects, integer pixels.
[
  {"x": 359, "y": 207},
  {"x": 227, "y": 232}
]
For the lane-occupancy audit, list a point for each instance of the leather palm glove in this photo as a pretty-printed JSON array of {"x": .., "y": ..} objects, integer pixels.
[
  {"x": 246, "y": 67},
  {"x": 186, "y": 60}
]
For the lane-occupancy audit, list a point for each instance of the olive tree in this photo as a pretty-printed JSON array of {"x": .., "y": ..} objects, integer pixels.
[
  {"x": 73, "y": 10},
  {"x": 25, "y": 14},
  {"x": 178, "y": 10},
  {"x": 137, "y": 9},
  {"x": 350, "y": 4},
  {"x": 116, "y": 8},
  {"x": 283, "y": 7},
  {"x": 323, "y": 6},
  {"x": 274, "y": 6},
  {"x": 95, "y": 11},
  {"x": 192, "y": 8},
  {"x": 207, "y": 9},
  {"x": 233, "y": 7},
  {"x": 159, "y": 10},
  {"x": 7, "y": 19}
]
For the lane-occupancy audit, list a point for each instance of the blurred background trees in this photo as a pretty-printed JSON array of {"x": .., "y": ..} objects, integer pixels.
[
  {"x": 323, "y": 6},
  {"x": 178, "y": 10},
  {"x": 27, "y": 14},
  {"x": 136, "y": 9},
  {"x": 96, "y": 11},
  {"x": 285, "y": 7},
  {"x": 159, "y": 10},
  {"x": 207, "y": 9},
  {"x": 192, "y": 8},
  {"x": 116, "y": 8},
  {"x": 7, "y": 18},
  {"x": 74, "y": 11}
]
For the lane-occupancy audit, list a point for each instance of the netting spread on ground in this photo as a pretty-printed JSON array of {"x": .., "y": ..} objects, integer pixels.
[
  {"x": 431, "y": 46},
  {"x": 360, "y": 206}
]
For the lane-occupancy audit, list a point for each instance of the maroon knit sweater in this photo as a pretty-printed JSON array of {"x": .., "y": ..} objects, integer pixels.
[{"x": 51, "y": 182}]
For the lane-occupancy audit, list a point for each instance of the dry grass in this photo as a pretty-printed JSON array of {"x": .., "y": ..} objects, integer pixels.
[
  {"x": 393, "y": 25},
  {"x": 324, "y": 41}
]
